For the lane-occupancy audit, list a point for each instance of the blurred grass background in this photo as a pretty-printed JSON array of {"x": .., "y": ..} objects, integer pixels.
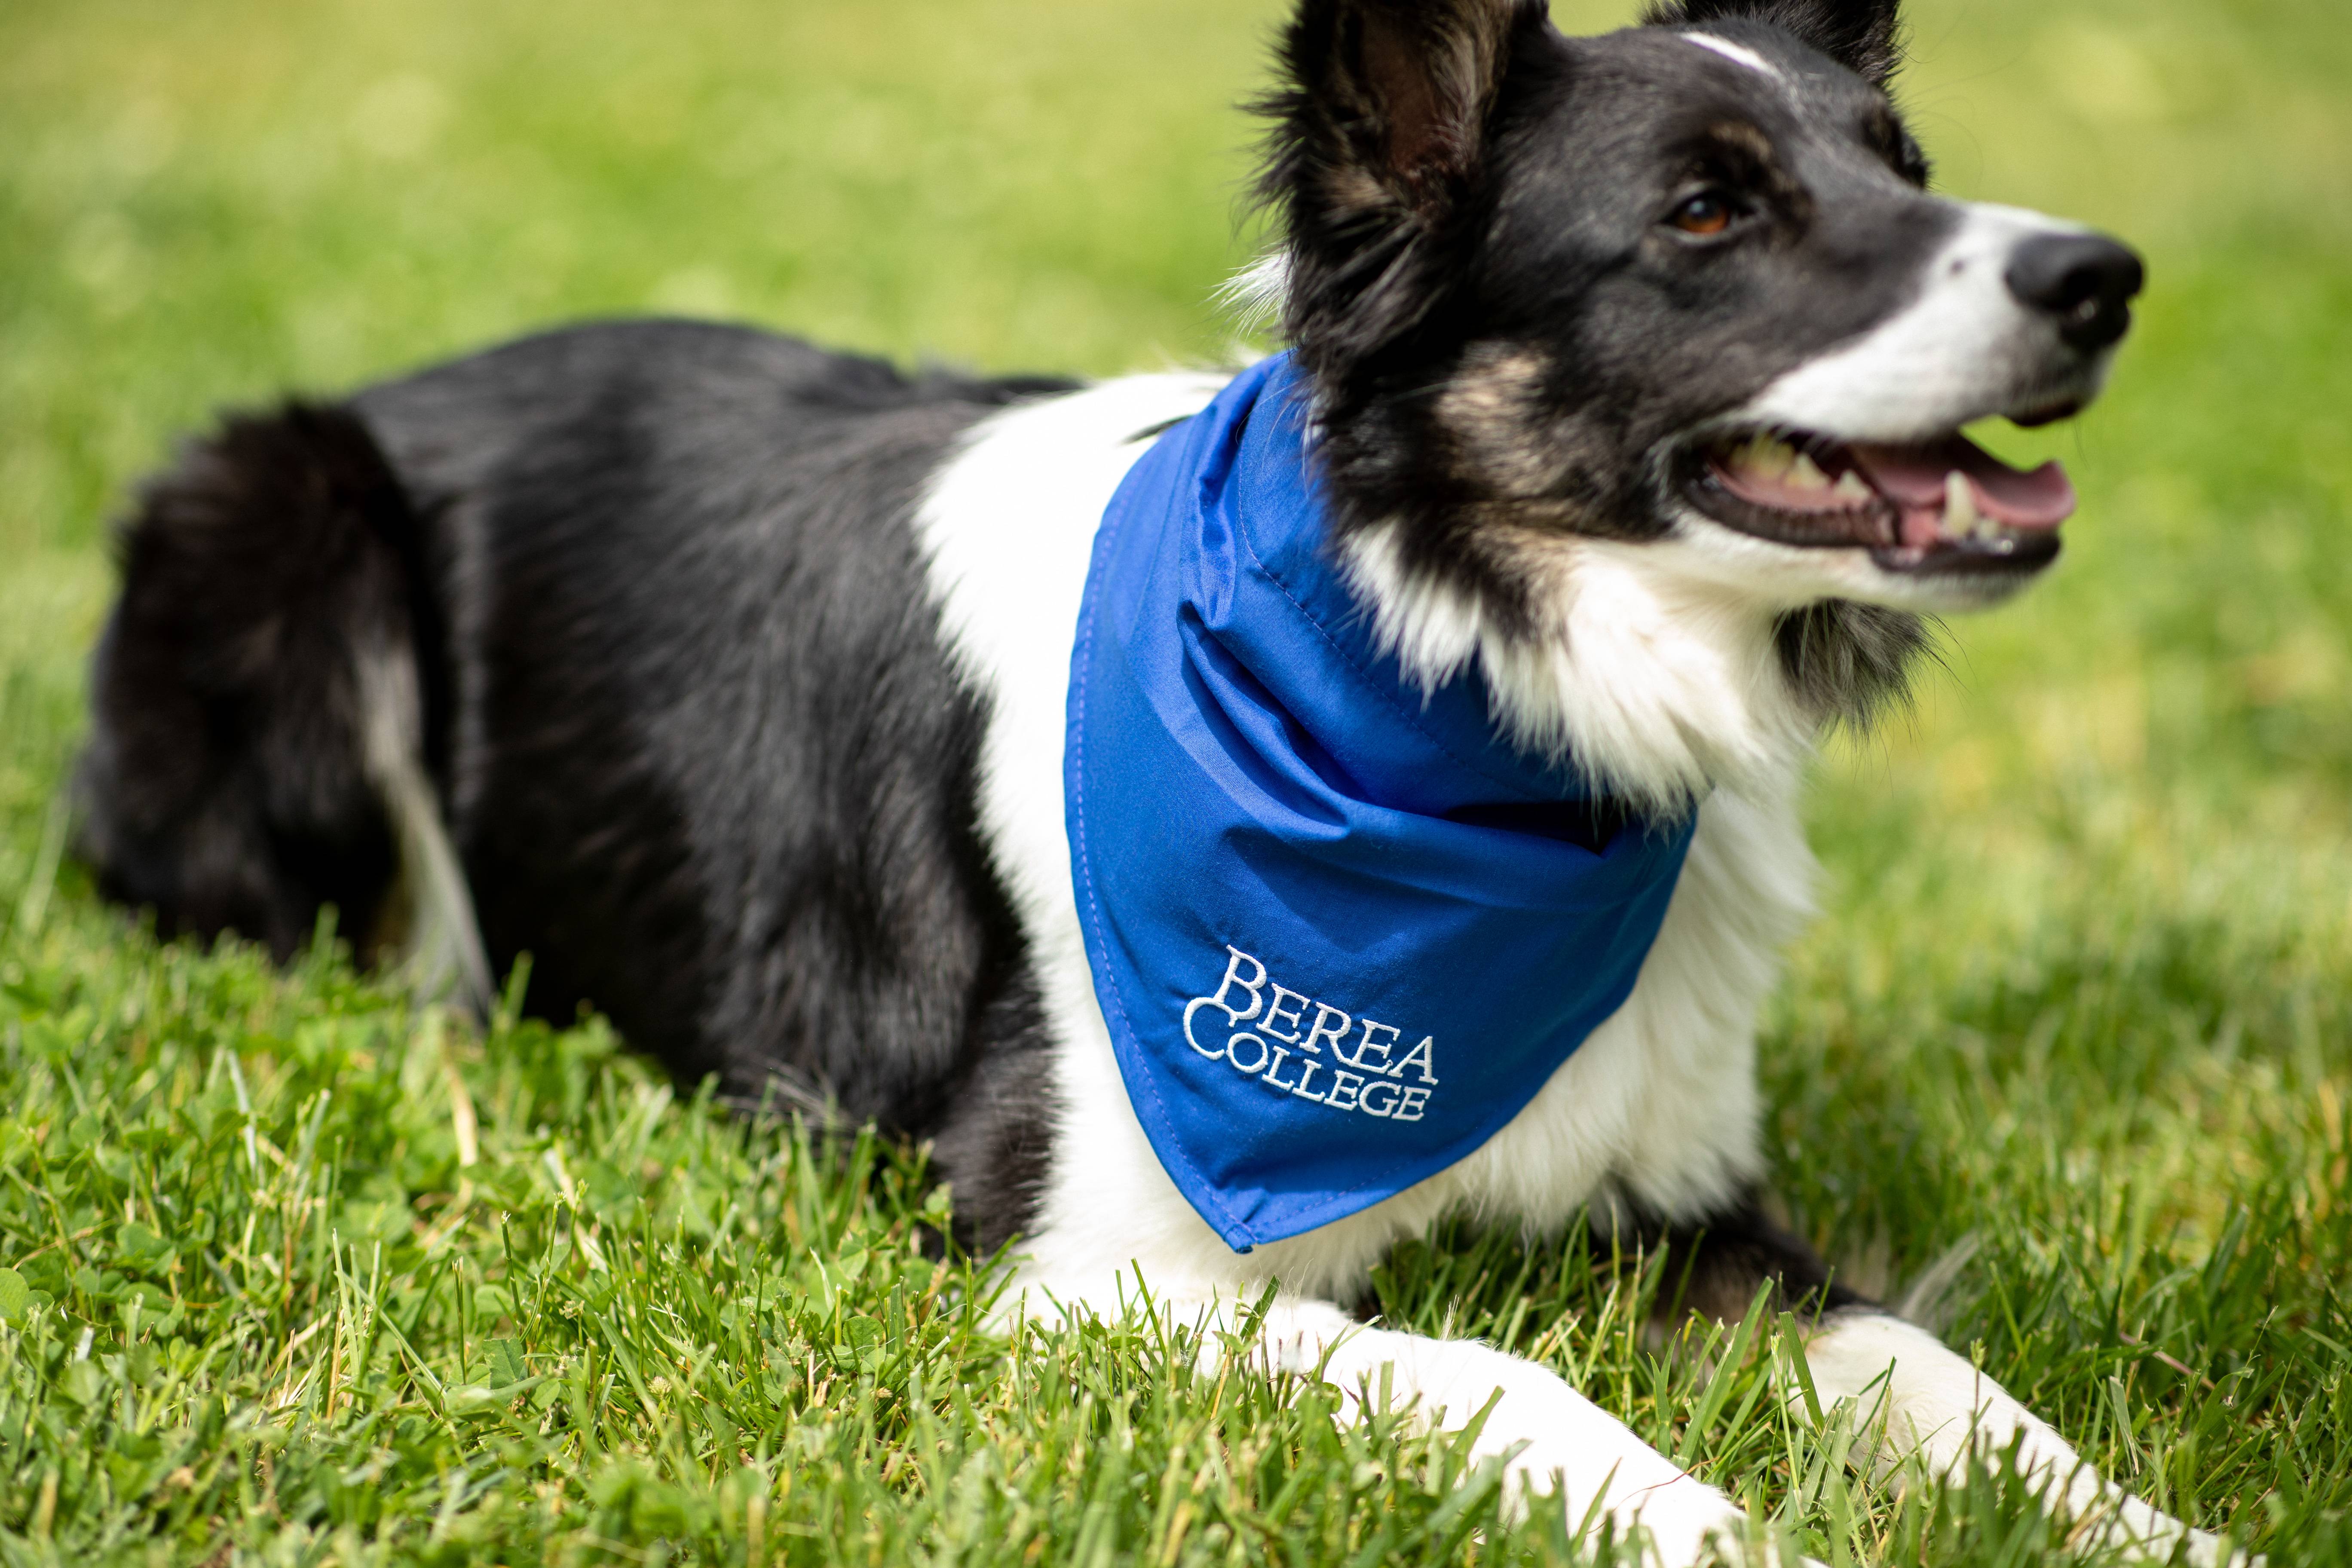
[{"x": 2082, "y": 998}]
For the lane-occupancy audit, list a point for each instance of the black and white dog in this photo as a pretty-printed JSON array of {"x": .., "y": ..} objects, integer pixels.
[{"x": 726, "y": 677}]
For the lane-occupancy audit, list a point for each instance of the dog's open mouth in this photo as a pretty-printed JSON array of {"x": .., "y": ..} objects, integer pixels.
[{"x": 1941, "y": 506}]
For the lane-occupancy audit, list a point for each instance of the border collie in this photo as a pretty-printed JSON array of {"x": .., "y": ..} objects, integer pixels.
[{"x": 734, "y": 683}]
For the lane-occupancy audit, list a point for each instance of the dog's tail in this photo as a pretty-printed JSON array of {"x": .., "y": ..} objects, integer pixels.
[{"x": 260, "y": 699}]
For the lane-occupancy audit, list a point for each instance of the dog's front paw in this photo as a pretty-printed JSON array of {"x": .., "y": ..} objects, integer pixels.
[
  {"x": 2204, "y": 1550},
  {"x": 1728, "y": 1537},
  {"x": 1682, "y": 1522},
  {"x": 2154, "y": 1537}
]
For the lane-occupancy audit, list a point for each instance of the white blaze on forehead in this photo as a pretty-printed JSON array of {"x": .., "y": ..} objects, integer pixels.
[{"x": 1740, "y": 53}]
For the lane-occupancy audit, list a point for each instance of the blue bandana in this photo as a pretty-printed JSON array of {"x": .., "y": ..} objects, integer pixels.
[{"x": 1338, "y": 926}]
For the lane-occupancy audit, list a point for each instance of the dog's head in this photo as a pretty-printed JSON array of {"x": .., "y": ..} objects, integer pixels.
[{"x": 1682, "y": 287}]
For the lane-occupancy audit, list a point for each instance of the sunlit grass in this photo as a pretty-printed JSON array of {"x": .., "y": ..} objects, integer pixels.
[{"x": 2081, "y": 1004}]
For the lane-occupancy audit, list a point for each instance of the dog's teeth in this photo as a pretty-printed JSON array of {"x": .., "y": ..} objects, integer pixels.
[
  {"x": 1851, "y": 489},
  {"x": 1767, "y": 458},
  {"x": 1804, "y": 474},
  {"x": 1961, "y": 518}
]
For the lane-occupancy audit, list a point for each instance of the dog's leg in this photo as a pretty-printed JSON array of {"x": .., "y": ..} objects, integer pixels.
[
  {"x": 1925, "y": 1399},
  {"x": 1918, "y": 1396},
  {"x": 1555, "y": 1443}
]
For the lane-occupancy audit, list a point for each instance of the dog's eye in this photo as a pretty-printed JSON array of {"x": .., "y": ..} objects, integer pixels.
[{"x": 1707, "y": 213}]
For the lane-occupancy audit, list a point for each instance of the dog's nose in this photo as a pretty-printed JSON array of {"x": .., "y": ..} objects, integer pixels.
[{"x": 2086, "y": 280}]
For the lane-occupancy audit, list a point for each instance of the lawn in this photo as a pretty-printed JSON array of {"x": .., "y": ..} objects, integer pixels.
[{"x": 292, "y": 1273}]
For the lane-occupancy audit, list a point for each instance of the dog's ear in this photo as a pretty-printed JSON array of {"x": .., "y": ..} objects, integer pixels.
[
  {"x": 1863, "y": 36},
  {"x": 1379, "y": 144},
  {"x": 1390, "y": 97}
]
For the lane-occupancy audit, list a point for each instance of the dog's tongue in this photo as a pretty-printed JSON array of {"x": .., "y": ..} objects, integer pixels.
[{"x": 1918, "y": 478}]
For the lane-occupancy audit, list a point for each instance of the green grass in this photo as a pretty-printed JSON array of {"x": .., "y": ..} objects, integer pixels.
[{"x": 2082, "y": 996}]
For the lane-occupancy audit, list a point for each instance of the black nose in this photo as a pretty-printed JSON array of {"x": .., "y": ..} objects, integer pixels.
[{"x": 2086, "y": 280}]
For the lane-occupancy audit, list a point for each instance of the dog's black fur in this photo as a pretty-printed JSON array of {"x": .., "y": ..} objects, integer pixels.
[
  {"x": 224, "y": 785},
  {"x": 686, "y": 707}
]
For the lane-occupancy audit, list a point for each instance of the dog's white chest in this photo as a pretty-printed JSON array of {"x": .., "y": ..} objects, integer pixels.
[{"x": 1658, "y": 1106}]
